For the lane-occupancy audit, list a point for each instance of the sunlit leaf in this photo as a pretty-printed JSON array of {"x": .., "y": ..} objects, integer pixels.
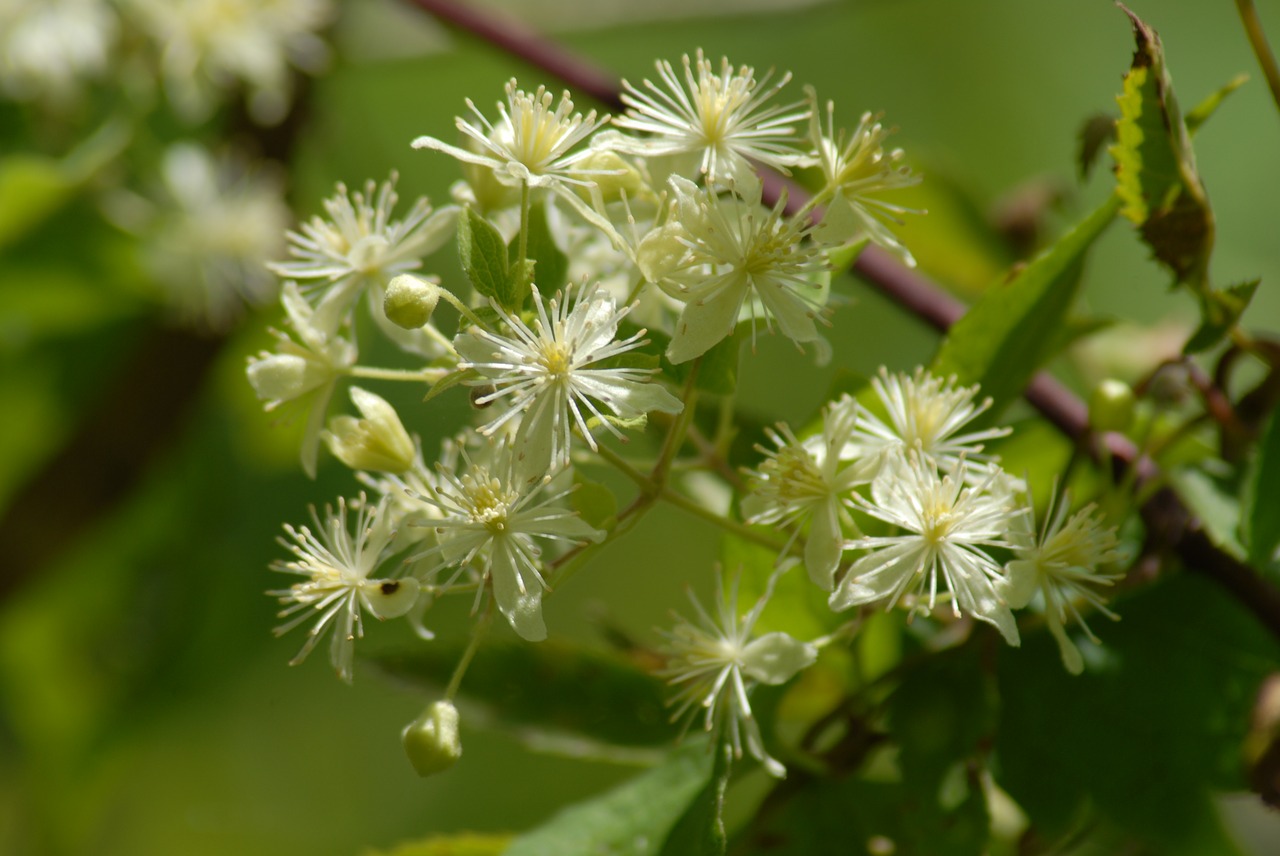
[
  {"x": 633, "y": 818},
  {"x": 483, "y": 254}
]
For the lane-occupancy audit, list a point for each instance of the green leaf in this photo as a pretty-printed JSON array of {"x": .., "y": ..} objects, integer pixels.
[
  {"x": 1095, "y": 132},
  {"x": 1219, "y": 312},
  {"x": 1150, "y": 731},
  {"x": 1156, "y": 172},
  {"x": 939, "y": 715},
  {"x": 633, "y": 818},
  {"x": 462, "y": 844},
  {"x": 553, "y": 265},
  {"x": 717, "y": 368},
  {"x": 552, "y": 685},
  {"x": 1206, "y": 108},
  {"x": 451, "y": 380},
  {"x": 483, "y": 254},
  {"x": 1261, "y": 514},
  {"x": 1014, "y": 328},
  {"x": 700, "y": 831},
  {"x": 1216, "y": 507},
  {"x": 32, "y": 187}
]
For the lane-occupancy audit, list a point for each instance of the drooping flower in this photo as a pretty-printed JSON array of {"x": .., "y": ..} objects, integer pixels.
[
  {"x": 551, "y": 374},
  {"x": 736, "y": 251},
  {"x": 489, "y": 524},
  {"x": 210, "y": 46},
  {"x": 947, "y": 527},
  {"x": 806, "y": 481},
  {"x": 721, "y": 119},
  {"x": 1062, "y": 562},
  {"x": 925, "y": 413},
  {"x": 856, "y": 170},
  {"x": 714, "y": 662},
  {"x": 377, "y": 441},
  {"x": 339, "y": 585},
  {"x": 359, "y": 246},
  {"x": 304, "y": 369}
]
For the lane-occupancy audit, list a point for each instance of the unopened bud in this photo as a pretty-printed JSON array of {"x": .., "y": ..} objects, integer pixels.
[
  {"x": 410, "y": 301},
  {"x": 431, "y": 741},
  {"x": 1111, "y": 406},
  {"x": 613, "y": 176},
  {"x": 378, "y": 442}
]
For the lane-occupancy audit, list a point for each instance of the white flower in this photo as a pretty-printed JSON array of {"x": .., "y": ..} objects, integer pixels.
[
  {"x": 946, "y": 526},
  {"x": 721, "y": 119},
  {"x": 488, "y": 524},
  {"x": 735, "y": 249},
  {"x": 715, "y": 663},
  {"x": 855, "y": 170},
  {"x": 339, "y": 585},
  {"x": 1061, "y": 562},
  {"x": 48, "y": 46},
  {"x": 552, "y": 375},
  {"x": 925, "y": 413},
  {"x": 803, "y": 480},
  {"x": 306, "y": 367},
  {"x": 210, "y": 233},
  {"x": 210, "y": 46},
  {"x": 359, "y": 246}
]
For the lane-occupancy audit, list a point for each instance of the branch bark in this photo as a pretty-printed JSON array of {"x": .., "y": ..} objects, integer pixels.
[{"x": 1164, "y": 513}]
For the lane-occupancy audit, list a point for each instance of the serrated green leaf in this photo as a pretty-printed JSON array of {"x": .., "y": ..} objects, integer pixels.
[
  {"x": 1156, "y": 174},
  {"x": 1008, "y": 335},
  {"x": 1261, "y": 514},
  {"x": 1200, "y": 114},
  {"x": 1219, "y": 312},
  {"x": 553, "y": 265},
  {"x": 483, "y": 255},
  {"x": 552, "y": 685},
  {"x": 462, "y": 844},
  {"x": 633, "y": 818}
]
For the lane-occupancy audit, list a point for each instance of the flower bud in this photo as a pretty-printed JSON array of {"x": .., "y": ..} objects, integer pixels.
[
  {"x": 410, "y": 301},
  {"x": 661, "y": 252},
  {"x": 1111, "y": 406},
  {"x": 378, "y": 442},
  {"x": 615, "y": 177},
  {"x": 431, "y": 741}
]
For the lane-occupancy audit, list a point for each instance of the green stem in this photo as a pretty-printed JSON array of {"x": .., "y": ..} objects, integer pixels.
[
  {"x": 481, "y": 628},
  {"x": 463, "y": 309},
  {"x": 742, "y": 530},
  {"x": 373, "y": 373},
  {"x": 1258, "y": 41}
]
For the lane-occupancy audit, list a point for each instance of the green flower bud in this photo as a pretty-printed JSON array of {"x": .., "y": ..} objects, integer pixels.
[
  {"x": 410, "y": 301},
  {"x": 1111, "y": 406},
  {"x": 431, "y": 741},
  {"x": 616, "y": 176},
  {"x": 378, "y": 442}
]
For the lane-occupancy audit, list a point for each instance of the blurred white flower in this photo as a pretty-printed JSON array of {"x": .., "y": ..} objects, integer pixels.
[
  {"x": 735, "y": 250},
  {"x": 1062, "y": 562},
  {"x": 721, "y": 120},
  {"x": 947, "y": 527},
  {"x": 208, "y": 47},
  {"x": 551, "y": 374},
  {"x": 714, "y": 662},
  {"x": 47, "y": 47},
  {"x": 339, "y": 587},
  {"x": 855, "y": 169},
  {"x": 210, "y": 232}
]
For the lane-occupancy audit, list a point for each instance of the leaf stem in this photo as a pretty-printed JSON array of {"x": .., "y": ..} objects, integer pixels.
[
  {"x": 1262, "y": 50},
  {"x": 481, "y": 629}
]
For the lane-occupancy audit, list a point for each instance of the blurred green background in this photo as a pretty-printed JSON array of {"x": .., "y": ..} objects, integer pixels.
[{"x": 145, "y": 707}]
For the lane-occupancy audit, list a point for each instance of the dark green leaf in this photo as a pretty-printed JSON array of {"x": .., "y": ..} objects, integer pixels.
[
  {"x": 633, "y": 818},
  {"x": 553, "y": 265},
  {"x": 551, "y": 685},
  {"x": 1150, "y": 730},
  {"x": 1008, "y": 335},
  {"x": 700, "y": 831},
  {"x": 461, "y": 844},
  {"x": 717, "y": 368},
  {"x": 483, "y": 254},
  {"x": 1155, "y": 168},
  {"x": 1261, "y": 517}
]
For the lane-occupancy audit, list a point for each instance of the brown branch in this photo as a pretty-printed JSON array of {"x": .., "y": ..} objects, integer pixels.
[{"x": 1165, "y": 513}]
